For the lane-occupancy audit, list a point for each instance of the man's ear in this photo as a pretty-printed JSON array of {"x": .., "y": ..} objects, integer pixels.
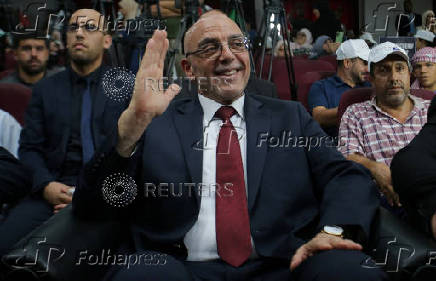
[
  {"x": 187, "y": 67},
  {"x": 107, "y": 41},
  {"x": 348, "y": 63}
]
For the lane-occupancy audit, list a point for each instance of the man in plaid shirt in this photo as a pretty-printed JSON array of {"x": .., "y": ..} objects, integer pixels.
[{"x": 372, "y": 132}]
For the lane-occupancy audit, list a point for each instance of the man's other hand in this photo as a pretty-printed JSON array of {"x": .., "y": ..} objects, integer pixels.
[
  {"x": 382, "y": 175},
  {"x": 57, "y": 193},
  {"x": 322, "y": 242}
]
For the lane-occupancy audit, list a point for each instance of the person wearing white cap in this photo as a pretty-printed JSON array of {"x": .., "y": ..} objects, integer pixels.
[
  {"x": 372, "y": 132},
  {"x": 368, "y": 39},
  {"x": 424, "y": 38},
  {"x": 324, "y": 95}
]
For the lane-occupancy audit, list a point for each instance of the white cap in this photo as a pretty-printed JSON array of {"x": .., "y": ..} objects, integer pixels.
[
  {"x": 381, "y": 51},
  {"x": 425, "y": 35},
  {"x": 368, "y": 37},
  {"x": 353, "y": 48}
]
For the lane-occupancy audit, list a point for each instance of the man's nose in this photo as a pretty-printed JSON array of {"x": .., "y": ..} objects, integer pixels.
[
  {"x": 79, "y": 31},
  {"x": 34, "y": 52},
  {"x": 226, "y": 53}
]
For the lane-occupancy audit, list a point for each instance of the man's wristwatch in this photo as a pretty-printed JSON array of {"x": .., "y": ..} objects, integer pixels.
[{"x": 333, "y": 230}]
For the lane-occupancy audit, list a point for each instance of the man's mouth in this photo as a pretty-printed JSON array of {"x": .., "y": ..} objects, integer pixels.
[
  {"x": 228, "y": 73},
  {"x": 79, "y": 46}
]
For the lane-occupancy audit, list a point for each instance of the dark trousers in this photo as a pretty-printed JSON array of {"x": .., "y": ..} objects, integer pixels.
[
  {"x": 21, "y": 219},
  {"x": 333, "y": 265}
]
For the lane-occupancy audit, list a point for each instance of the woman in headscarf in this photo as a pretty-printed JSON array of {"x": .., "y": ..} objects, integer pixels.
[
  {"x": 323, "y": 46},
  {"x": 303, "y": 42}
]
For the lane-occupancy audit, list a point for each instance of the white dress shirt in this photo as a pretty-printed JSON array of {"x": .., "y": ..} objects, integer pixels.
[
  {"x": 9, "y": 132},
  {"x": 201, "y": 238}
]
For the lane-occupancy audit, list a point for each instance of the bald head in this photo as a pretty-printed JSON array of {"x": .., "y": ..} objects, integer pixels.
[
  {"x": 206, "y": 19},
  {"x": 91, "y": 16}
]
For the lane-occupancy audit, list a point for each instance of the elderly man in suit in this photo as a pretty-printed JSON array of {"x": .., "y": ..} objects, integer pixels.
[
  {"x": 67, "y": 119},
  {"x": 206, "y": 187}
]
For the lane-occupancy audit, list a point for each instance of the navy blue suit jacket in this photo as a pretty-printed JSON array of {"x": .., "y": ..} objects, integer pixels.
[
  {"x": 44, "y": 138},
  {"x": 292, "y": 190}
]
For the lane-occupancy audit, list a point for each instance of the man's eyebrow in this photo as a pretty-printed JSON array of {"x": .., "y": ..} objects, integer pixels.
[
  {"x": 215, "y": 40},
  {"x": 207, "y": 41}
]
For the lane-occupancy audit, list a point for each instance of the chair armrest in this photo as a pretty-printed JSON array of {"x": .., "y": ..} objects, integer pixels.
[
  {"x": 64, "y": 248},
  {"x": 399, "y": 249}
]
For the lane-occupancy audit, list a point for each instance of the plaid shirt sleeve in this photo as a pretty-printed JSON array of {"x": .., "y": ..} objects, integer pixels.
[{"x": 350, "y": 133}]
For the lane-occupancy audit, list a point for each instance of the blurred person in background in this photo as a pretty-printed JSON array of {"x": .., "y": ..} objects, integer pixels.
[
  {"x": 31, "y": 54},
  {"x": 424, "y": 38},
  {"x": 299, "y": 21},
  {"x": 368, "y": 39},
  {"x": 9, "y": 132},
  {"x": 323, "y": 46},
  {"x": 424, "y": 69},
  {"x": 326, "y": 22},
  {"x": 303, "y": 42},
  {"x": 428, "y": 21},
  {"x": 409, "y": 21}
]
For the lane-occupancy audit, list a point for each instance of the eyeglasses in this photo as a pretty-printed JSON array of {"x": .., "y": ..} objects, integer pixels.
[
  {"x": 213, "y": 50},
  {"x": 88, "y": 27}
]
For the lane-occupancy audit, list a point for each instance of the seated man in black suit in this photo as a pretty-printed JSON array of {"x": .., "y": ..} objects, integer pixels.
[
  {"x": 203, "y": 184},
  {"x": 67, "y": 119},
  {"x": 14, "y": 180},
  {"x": 414, "y": 176}
]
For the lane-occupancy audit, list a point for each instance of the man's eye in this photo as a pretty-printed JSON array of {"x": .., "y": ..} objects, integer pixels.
[
  {"x": 91, "y": 27},
  {"x": 210, "y": 49},
  {"x": 237, "y": 44}
]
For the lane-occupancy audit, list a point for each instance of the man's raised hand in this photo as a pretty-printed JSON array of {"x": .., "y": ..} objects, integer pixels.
[{"x": 149, "y": 99}]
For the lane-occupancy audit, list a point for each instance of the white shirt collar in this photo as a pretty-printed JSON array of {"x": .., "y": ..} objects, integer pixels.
[{"x": 210, "y": 107}]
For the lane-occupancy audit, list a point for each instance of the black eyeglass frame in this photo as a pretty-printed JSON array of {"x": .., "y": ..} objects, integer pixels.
[{"x": 246, "y": 42}]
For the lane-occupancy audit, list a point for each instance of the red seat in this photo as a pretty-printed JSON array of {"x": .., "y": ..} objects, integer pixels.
[
  {"x": 5, "y": 73},
  {"x": 10, "y": 62},
  {"x": 424, "y": 94},
  {"x": 306, "y": 82},
  {"x": 362, "y": 94},
  {"x": 330, "y": 59},
  {"x": 280, "y": 73},
  {"x": 14, "y": 99}
]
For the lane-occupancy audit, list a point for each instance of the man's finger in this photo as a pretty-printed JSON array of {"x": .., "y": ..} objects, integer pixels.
[
  {"x": 346, "y": 244},
  {"x": 172, "y": 91},
  {"x": 65, "y": 199},
  {"x": 299, "y": 256}
]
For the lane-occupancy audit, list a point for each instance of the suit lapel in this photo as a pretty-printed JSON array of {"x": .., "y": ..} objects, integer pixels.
[
  {"x": 63, "y": 105},
  {"x": 98, "y": 108},
  {"x": 258, "y": 120},
  {"x": 188, "y": 119}
]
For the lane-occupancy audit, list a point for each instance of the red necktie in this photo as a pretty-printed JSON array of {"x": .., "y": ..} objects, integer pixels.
[{"x": 231, "y": 219}]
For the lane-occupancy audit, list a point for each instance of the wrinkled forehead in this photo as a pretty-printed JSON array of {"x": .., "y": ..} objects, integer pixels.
[
  {"x": 84, "y": 16},
  {"x": 217, "y": 27},
  {"x": 391, "y": 60}
]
